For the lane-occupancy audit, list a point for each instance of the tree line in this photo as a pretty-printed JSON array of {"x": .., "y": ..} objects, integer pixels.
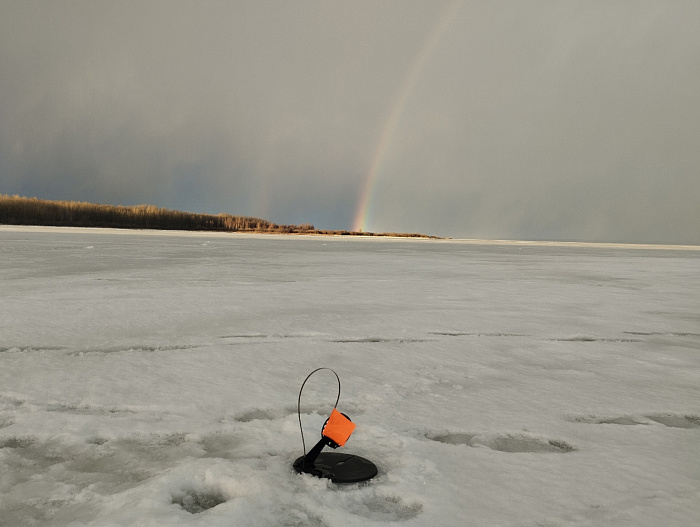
[{"x": 19, "y": 210}]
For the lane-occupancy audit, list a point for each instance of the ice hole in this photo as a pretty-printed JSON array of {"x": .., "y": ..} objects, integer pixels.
[{"x": 195, "y": 502}]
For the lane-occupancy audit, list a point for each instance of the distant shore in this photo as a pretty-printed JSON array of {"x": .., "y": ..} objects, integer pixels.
[
  {"x": 200, "y": 233},
  {"x": 19, "y": 210},
  {"x": 457, "y": 241}
]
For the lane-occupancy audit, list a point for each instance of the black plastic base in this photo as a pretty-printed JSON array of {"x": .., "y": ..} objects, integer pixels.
[{"x": 339, "y": 468}]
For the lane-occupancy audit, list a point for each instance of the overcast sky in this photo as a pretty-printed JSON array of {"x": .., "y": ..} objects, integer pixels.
[{"x": 540, "y": 120}]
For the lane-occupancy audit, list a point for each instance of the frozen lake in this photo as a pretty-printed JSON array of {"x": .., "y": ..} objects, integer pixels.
[{"x": 152, "y": 378}]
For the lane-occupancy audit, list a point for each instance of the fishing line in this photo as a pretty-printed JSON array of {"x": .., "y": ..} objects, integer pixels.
[{"x": 301, "y": 428}]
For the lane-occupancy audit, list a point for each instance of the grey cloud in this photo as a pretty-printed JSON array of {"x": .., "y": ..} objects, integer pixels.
[{"x": 540, "y": 120}]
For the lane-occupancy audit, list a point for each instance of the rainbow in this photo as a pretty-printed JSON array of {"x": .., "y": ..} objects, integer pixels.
[{"x": 396, "y": 109}]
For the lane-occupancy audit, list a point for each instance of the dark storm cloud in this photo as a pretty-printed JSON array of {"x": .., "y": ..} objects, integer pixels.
[
  {"x": 575, "y": 121},
  {"x": 549, "y": 120}
]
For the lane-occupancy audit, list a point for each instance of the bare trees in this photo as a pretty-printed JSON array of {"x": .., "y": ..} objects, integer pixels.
[
  {"x": 31, "y": 211},
  {"x": 18, "y": 210}
]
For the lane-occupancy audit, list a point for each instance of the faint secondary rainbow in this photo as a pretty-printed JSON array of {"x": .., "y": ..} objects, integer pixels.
[{"x": 396, "y": 109}]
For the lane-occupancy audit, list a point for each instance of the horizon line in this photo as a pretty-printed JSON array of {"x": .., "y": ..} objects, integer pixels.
[{"x": 466, "y": 241}]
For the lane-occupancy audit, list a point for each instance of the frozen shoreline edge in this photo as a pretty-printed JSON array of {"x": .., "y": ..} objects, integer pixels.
[{"x": 464, "y": 241}]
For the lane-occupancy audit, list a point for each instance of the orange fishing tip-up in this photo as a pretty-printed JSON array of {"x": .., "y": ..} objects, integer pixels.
[{"x": 335, "y": 432}]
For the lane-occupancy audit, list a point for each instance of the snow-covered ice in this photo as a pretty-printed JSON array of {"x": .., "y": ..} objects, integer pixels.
[{"x": 152, "y": 378}]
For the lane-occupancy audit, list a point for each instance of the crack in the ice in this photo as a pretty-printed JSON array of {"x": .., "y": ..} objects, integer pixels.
[
  {"x": 28, "y": 349},
  {"x": 270, "y": 414},
  {"x": 667, "y": 419},
  {"x": 17, "y": 442},
  {"x": 254, "y": 336},
  {"x": 374, "y": 340},
  {"x": 472, "y": 334},
  {"x": 662, "y": 334},
  {"x": 586, "y": 338},
  {"x": 88, "y": 409},
  {"x": 130, "y": 349},
  {"x": 245, "y": 336},
  {"x": 511, "y": 443},
  {"x": 676, "y": 420}
]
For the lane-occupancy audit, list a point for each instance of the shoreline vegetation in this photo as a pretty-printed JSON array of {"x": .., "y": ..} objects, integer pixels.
[{"x": 19, "y": 210}]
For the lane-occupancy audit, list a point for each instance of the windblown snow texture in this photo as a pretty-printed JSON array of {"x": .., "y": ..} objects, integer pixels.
[{"x": 152, "y": 380}]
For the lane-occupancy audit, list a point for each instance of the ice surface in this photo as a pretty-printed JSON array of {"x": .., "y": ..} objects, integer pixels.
[{"x": 152, "y": 378}]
